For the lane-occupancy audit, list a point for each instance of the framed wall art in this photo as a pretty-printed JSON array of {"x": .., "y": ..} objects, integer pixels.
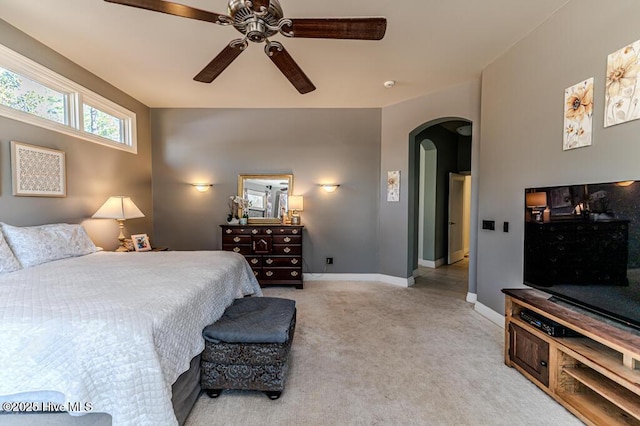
[
  {"x": 37, "y": 171},
  {"x": 622, "y": 93},
  {"x": 393, "y": 186},
  {"x": 578, "y": 115}
]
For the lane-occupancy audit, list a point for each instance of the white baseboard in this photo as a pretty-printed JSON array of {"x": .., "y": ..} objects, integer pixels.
[
  {"x": 472, "y": 297},
  {"x": 430, "y": 263},
  {"x": 402, "y": 282},
  {"x": 490, "y": 314}
]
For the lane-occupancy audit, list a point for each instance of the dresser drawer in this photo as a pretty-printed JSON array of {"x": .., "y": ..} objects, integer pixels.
[
  {"x": 237, "y": 248},
  {"x": 236, "y": 230},
  {"x": 282, "y": 261},
  {"x": 287, "y": 239},
  {"x": 287, "y": 249},
  {"x": 236, "y": 239},
  {"x": 282, "y": 273}
]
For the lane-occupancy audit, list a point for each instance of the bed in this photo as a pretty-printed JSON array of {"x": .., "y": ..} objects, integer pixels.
[{"x": 106, "y": 332}]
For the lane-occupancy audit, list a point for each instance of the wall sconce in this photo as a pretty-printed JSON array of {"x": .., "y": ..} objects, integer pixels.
[
  {"x": 296, "y": 204},
  {"x": 202, "y": 187},
  {"x": 329, "y": 187}
]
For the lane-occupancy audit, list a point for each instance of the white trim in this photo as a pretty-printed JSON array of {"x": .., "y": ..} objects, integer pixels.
[
  {"x": 472, "y": 297},
  {"x": 75, "y": 94},
  {"x": 430, "y": 263},
  {"x": 490, "y": 314},
  {"x": 401, "y": 282}
]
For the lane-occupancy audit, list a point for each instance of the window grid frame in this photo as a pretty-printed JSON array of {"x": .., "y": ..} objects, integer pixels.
[{"x": 76, "y": 97}]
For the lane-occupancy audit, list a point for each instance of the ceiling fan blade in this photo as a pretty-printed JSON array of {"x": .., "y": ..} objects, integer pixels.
[
  {"x": 177, "y": 10},
  {"x": 341, "y": 28},
  {"x": 221, "y": 62},
  {"x": 278, "y": 54}
]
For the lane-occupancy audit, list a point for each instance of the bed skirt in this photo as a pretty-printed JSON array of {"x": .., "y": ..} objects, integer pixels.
[{"x": 185, "y": 391}]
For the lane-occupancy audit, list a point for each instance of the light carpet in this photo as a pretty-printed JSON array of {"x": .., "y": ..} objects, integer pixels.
[{"x": 374, "y": 354}]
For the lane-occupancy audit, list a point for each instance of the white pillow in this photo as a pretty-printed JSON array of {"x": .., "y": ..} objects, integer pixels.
[
  {"x": 33, "y": 245},
  {"x": 8, "y": 262}
]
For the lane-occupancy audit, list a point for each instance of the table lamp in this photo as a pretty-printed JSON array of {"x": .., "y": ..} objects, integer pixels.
[
  {"x": 119, "y": 208},
  {"x": 296, "y": 204}
]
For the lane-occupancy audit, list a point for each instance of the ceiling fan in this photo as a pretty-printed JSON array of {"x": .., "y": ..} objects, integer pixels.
[{"x": 260, "y": 19}]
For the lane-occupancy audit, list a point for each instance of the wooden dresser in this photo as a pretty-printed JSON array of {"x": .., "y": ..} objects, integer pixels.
[{"x": 273, "y": 251}]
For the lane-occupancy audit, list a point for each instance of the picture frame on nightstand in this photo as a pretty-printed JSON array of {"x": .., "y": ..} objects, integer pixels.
[{"x": 141, "y": 242}]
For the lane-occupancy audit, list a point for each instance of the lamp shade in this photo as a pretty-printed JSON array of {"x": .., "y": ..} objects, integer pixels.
[
  {"x": 118, "y": 207},
  {"x": 296, "y": 202},
  {"x": 536, "y": 199}
]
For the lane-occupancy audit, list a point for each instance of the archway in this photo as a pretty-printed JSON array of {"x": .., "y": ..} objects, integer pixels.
[{"x": 436, "y": 148}]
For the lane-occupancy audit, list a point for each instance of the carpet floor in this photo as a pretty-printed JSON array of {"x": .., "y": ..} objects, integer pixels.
[{"x": 368, "y": 353}]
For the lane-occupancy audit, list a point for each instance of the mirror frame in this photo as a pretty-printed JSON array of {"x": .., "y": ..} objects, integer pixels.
[{"x": 264, "y": 220}]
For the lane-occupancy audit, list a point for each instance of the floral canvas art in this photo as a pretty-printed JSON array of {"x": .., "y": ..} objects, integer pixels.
[
  {"x": 622, "y": 87},
  {"x": 578, "y": 115},
  {"x": 393, "y": 186}
]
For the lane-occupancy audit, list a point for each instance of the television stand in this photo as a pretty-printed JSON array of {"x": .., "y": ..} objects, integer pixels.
[{"x": 595, "y": 376}]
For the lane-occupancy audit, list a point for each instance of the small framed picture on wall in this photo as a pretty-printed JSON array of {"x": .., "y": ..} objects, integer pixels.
[{"x": 141, "y": 242}]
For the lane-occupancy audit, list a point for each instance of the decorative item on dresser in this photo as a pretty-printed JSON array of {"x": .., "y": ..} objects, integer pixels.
[{"x": 273, "y": 251}]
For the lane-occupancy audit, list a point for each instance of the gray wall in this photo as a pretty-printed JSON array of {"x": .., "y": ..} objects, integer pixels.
[
  {"x": 522, "y": 127},
  {"x": 316, "y": 145},
  {"x": 94, "y": 172}
]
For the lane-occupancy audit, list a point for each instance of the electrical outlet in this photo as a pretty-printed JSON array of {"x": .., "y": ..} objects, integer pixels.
[{"x": 329, "y": 261}]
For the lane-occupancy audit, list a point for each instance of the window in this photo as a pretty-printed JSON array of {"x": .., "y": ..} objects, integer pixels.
[{"x": 33, "y": 94}]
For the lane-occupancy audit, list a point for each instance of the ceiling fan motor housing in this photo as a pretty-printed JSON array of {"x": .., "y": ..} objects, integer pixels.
[{"x": 255, "y": 25}]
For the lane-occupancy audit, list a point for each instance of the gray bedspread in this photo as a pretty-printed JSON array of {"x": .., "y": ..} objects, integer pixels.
[{"x": 253, "y": 320}]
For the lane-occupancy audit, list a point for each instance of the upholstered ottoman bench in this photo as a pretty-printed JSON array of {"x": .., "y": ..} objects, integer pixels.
[{"x": 248, "y": 347}]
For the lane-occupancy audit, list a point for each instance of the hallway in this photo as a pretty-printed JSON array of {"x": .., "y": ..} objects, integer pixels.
[{"x": 448, "y": 278}]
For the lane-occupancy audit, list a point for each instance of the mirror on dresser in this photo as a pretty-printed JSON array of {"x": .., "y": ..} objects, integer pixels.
[{"x": 267, "y": 195}]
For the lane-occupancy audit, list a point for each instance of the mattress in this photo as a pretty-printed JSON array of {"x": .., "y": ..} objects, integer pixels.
[{"x": 111, "y": 332}]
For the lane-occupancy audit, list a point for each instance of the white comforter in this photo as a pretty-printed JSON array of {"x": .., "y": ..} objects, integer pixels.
[{"x": 114, "y": 329}]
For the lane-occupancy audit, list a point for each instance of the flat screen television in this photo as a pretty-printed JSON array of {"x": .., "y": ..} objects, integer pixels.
[{"x": 582, "y": 245}]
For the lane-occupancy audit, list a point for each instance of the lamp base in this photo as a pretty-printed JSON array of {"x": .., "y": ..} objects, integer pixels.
[
  {"x": 295, "y": 219},
  {"x": 122, "y": 249}
]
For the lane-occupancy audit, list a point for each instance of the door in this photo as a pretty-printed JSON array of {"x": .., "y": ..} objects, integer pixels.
[{"x": 456, "y": 218}]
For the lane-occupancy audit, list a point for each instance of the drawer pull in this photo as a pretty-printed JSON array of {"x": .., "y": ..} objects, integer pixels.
[
  {"x": 294, "y": 273},
  {"x": 294, "y": 261},
  {"x": 255, "y": 273},
  {"x": 268, "y": 261},
  {"x": 269, "y": 273},
  {"x": 287, "y": 239},
  {"x": 236, "y": 239},
  {"x": 254, "y": 261},
  {"x": 294, "y": 231},
  {"x": 228, "y": 231},
  {"x": 236, "y": 249},
  {"x": 543, "y": 363},
  {"x": 269, "y": 231},
  {"x": 254, "y": 231},
  {"x": 286, "y": 250}
]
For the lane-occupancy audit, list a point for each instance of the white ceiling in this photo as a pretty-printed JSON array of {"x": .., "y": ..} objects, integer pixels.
[{"x": 429, "y": 44}]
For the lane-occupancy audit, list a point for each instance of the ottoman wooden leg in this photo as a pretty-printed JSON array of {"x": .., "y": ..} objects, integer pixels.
[
  {"x": 273, "y": 394},
  {"x": 214, "y": 393}
]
